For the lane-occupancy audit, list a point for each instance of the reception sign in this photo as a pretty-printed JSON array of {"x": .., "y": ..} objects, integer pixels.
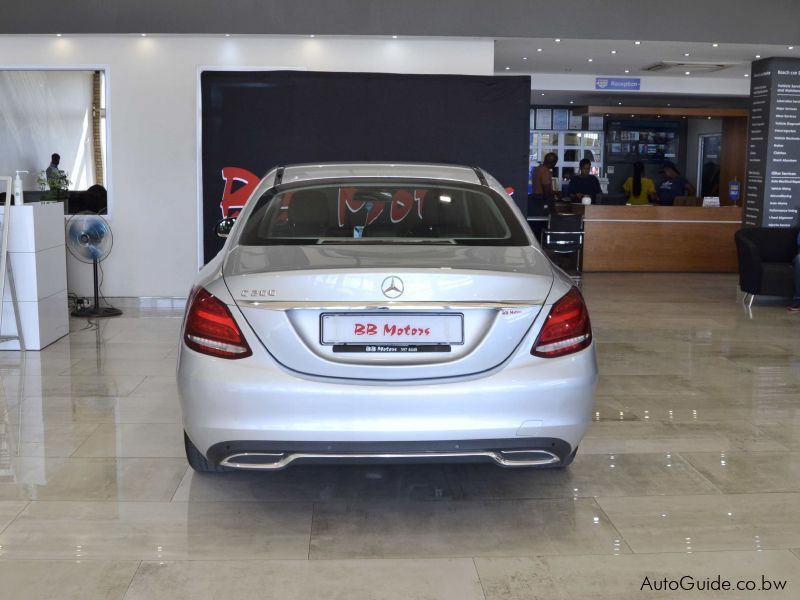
[{"x": 618, "y": 84}]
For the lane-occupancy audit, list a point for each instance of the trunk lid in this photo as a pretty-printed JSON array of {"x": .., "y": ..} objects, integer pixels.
[{"x": 385, "y": 312}]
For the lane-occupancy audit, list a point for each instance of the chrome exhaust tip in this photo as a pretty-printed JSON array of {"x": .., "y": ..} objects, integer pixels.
[{"x": 274, "y": 461}]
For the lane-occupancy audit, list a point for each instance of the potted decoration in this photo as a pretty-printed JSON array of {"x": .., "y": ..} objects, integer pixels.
[{"x": 56, "y": 182}]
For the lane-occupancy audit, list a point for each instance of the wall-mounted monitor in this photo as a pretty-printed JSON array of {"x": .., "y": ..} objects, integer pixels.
[{"x": 650, "y": 141}]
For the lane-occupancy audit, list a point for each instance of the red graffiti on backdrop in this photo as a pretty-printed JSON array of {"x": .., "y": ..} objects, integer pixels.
[
  {"x": 400, "y": 207},
  {"x": 233, "y": 201}
]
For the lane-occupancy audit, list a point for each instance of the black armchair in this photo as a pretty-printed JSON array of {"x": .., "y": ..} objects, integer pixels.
[{"x": 765, "y": 260}]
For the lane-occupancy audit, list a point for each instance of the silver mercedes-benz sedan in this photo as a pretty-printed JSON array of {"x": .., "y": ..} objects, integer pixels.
[{"x": 383, "y": 312}]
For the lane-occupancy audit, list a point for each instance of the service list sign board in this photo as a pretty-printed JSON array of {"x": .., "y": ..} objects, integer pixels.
[{"x": 773, "y": 166}]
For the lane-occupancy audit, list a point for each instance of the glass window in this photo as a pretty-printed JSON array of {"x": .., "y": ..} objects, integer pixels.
[
  {"x": 591, "y": 140},
  {"x": 572, "y": 139},
  {"x": 592, "y": 155},
  {"x": 359, "y": 213}
]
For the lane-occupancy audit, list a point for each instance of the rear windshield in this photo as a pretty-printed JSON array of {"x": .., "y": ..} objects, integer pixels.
[{"x": 383, "y": 214}]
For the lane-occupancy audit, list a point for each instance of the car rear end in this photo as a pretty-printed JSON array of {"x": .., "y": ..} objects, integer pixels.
[{"x": 363, "y": 324}]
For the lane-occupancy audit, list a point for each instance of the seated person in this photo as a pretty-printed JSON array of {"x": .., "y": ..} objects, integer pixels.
[
  {"x": 584, "y": 183},
  {"x": 640, "y": 189},
  {"x": 674, "y": 185}
]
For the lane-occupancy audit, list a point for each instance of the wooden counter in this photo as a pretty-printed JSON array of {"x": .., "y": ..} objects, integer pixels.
[{"x": 661, "y": 238}]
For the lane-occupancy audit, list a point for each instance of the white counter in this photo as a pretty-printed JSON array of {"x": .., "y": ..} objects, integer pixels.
[{"x": 36, "y": 251}]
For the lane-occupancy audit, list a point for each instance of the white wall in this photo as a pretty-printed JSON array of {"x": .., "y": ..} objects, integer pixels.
[
  {"x": 42, "y": 112},
  {"x": 152, "y": 112}
]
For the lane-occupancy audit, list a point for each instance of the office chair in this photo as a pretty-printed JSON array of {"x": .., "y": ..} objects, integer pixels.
[{"x": 563, "y": 238}]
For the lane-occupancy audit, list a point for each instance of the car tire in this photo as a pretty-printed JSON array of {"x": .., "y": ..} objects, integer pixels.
[{"x": 197, "y": 461}]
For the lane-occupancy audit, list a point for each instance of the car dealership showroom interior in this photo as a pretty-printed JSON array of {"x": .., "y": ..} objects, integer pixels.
[{"x": 371, "y": 299}]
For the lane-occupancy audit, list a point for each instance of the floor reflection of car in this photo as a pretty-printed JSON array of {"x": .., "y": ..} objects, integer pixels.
[{"x": 369, "y": 312}]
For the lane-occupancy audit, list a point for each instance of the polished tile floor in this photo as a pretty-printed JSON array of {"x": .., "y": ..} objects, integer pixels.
[{"x": 691, "y": 467}]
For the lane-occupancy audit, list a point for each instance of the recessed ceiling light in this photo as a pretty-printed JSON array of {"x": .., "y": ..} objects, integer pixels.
[
  {"x": 227, "y": 35},
  {"x": 758, "y": 56},
  {"x": 747, "y": 74},
  {"x": 557, "y": 40},
  {"x": 619, "y": 103},
  {"x": 715, "y": 45},
  {"x": 538, "y": 49},
  {"x": 508, "y": 68},
  {"x": 143, "y": 35},
  {"x": 687, "y": 73},
  {"x": 638, "y": 43},
  {"x": 572, "y": 102},
  {"x": 591, "y": 60},
  {"x": 790, "y": 47},
  {"x": 542, "y": 93},
  {"x": 59, "y": 35},
  {"x": 613, "y": 52},
  {"x": 687, "y": 54},
  {"x": 312, "y": 35},
  {"x": 524, "y": 58},
  {"x": 394, "y": 37},
  {"x": 627, "y": 70}
]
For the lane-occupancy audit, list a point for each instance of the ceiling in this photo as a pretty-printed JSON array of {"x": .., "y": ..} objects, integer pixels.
[
  {"x": 740, "y": 21},
  {"x": 621, "y": 58},
  {"x": 567, "y": 98}
]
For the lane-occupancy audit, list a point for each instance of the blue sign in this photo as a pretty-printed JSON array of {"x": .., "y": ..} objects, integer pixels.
[
  {"x": 625, "y": 84},
  {"x": 734, "y": 189}
]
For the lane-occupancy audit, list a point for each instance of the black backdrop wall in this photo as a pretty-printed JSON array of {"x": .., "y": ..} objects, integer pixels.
[{"x": 254, "y": 120}]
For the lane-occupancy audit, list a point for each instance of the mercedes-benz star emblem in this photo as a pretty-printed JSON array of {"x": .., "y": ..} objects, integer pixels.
[{"x": 392, "y": 287}]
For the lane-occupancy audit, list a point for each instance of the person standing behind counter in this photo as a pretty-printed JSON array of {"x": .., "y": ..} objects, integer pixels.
[
  {"x": 640, "y": 189},
  {"x": 543, "y": 198},
  {"x": 584, "y": 184},
  {"x": 674, "y": 185}
]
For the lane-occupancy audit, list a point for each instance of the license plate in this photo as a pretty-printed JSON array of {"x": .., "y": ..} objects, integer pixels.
[{"x": 408, "y": 328}]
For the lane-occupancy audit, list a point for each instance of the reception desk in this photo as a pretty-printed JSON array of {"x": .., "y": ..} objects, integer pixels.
[{"x": 661, "y": 238}]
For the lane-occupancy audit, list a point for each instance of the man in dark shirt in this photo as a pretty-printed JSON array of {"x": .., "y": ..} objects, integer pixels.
[
  {"x": 674, "y": 185},
  {"x": 584, "y": 183}
]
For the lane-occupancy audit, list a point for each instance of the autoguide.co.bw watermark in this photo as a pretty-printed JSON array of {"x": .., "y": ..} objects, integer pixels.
[{"x": 708, "y": 584}]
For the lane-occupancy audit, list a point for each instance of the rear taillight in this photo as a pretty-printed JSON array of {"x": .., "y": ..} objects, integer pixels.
[
  {"x": 567, "y": 328},
  {"x": 211, "y": 329}
]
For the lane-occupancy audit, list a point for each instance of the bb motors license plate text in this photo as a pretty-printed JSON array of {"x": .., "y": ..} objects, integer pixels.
[{"x": 372, "y": 328}]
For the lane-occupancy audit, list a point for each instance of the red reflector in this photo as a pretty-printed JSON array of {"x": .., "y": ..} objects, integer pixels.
[
  {"x": 567, "y": 328},
  {"x": 211, "y": 329}
]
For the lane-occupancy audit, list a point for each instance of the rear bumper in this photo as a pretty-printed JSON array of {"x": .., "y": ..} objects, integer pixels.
[
  {"x": 273, "y": 456},
  {"x": 249, "y": 407}
]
